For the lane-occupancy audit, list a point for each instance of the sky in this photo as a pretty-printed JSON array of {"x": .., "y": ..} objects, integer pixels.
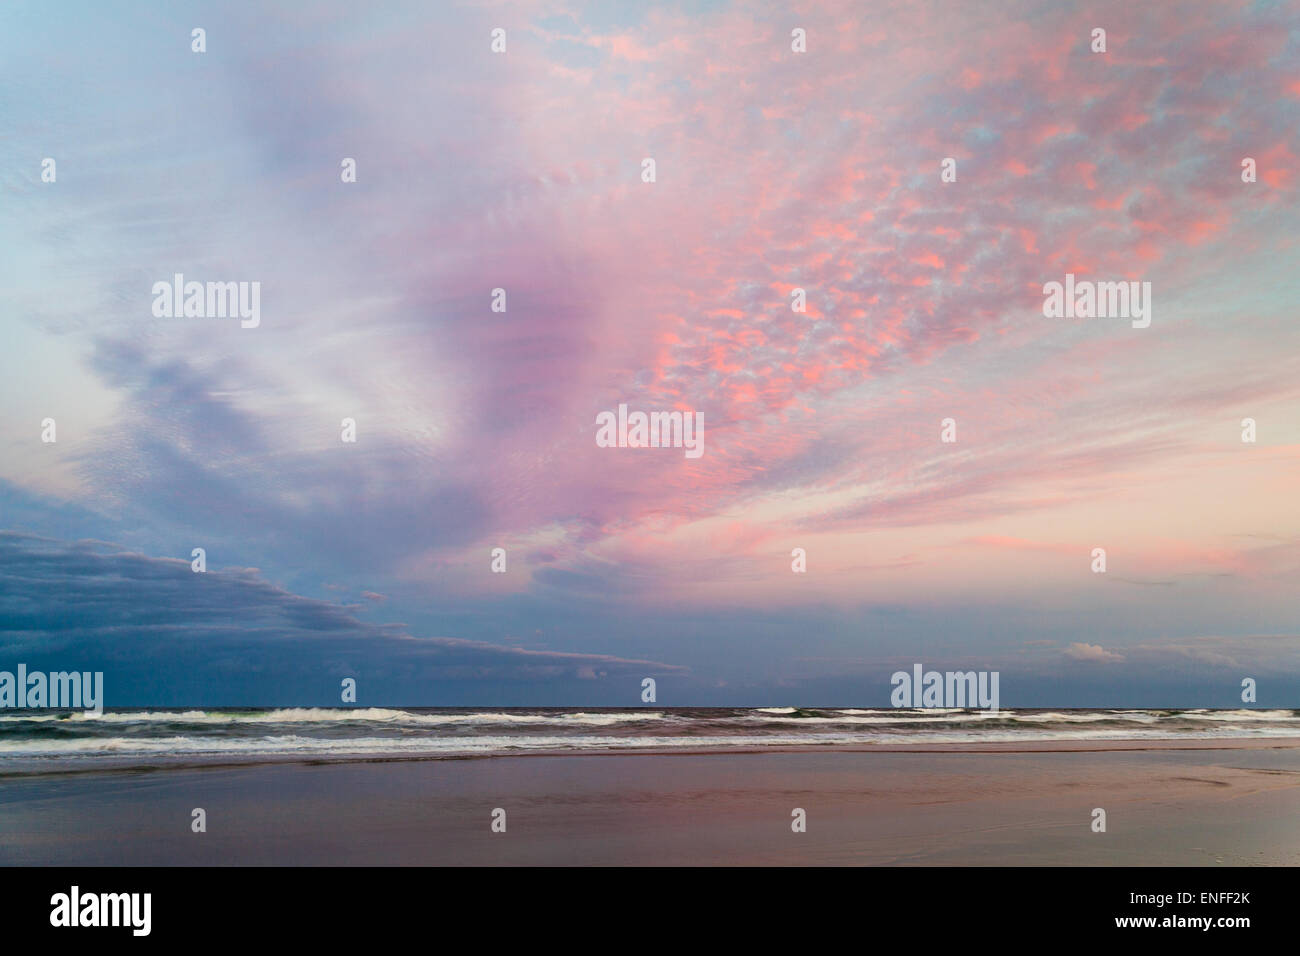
[{"x": 774, "y": 170}]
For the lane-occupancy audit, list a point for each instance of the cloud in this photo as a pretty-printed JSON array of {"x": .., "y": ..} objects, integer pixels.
[
  {"x": 85, "y": 604},
  {"x": 1093, "y": 653},
  {"x": 776, "y": 171}
]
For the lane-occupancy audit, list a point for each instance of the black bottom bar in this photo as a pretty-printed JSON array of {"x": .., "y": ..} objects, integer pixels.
[{"x": 333, "y": 905}]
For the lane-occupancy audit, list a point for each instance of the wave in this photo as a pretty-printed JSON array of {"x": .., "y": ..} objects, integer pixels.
[
  {"x": 299, "y": 745},
  {"x": 1238, "y": 715},
  {"x": 224, "y": 734},
  {"x": 325, "y": 715}
]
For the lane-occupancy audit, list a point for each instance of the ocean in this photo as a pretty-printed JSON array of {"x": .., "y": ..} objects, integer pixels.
[
  {"x": 652, "y": 786},
  {"x": 40, "y": 741}
]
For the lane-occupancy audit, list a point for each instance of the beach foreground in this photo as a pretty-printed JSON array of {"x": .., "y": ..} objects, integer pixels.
[{"x": 1236, "y": 804}]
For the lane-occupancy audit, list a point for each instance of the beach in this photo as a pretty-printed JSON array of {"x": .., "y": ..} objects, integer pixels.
[{"x": 1221, "y": 802}]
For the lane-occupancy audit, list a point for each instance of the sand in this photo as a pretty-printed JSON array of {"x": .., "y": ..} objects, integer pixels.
[{"x": 1235, "y": 804}]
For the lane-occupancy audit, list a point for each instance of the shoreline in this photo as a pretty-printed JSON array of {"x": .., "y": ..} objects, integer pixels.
[
  {"x": 1176, "y": 806},
  {"x": 79, "y": 765}
]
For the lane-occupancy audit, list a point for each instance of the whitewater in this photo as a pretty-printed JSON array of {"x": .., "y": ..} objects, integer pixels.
[{"x": 34, "y": 741}]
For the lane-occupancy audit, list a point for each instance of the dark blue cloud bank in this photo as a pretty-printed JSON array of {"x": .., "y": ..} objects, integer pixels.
[{"x": 165, "y": 635}]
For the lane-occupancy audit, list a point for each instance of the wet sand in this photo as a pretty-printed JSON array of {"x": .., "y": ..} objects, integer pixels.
[{"x": 1177, "y": 804}]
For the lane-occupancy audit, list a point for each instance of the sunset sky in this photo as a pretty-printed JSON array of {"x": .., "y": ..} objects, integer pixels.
[{"x": 775, "y": 170}]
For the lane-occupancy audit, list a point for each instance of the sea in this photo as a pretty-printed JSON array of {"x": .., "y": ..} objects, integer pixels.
[{"x": 35, "y": 741}]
